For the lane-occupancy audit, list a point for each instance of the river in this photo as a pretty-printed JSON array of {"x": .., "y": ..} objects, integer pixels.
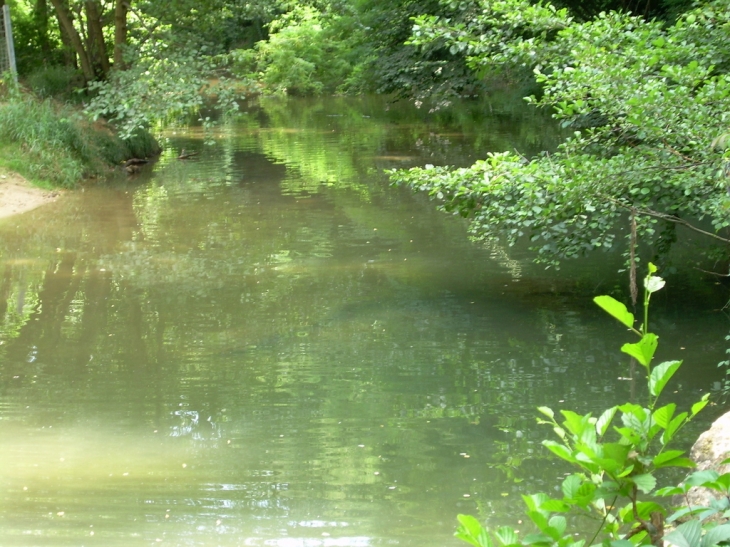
[{"x": 268, "y": 345}]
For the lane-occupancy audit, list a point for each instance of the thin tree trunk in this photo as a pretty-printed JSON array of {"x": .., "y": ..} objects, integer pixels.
[
  {"x": 65, "y": 20},
  {"x": 97, "y": 47},
  {"x": 121, "y": 7},
  {"x": 40, "y": 16},
  {"x": 69, "y": 55}
]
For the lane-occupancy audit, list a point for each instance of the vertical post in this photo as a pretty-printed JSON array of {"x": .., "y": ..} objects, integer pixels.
[{"x": 9, "y": 41}]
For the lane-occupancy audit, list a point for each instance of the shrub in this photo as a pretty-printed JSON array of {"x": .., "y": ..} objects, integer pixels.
[{"x": 617, "y": 464}]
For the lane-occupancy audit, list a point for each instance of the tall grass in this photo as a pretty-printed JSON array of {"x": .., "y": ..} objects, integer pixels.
[{"x": 58, "y": 144}]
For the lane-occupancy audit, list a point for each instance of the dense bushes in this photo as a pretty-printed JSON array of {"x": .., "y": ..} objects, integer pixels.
[
  {"x": 55, "y": 144},
  {"x": 307, "y": 53}
]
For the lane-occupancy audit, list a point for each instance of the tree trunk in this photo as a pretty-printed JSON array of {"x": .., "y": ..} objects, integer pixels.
[
  {"x": 69, "y": 55},
  {"x": 96, "y": 47},
  {"x": 65, "y": 21},
  {"x": 121, "y": 7},
  {"x": 40, "y": 16}
]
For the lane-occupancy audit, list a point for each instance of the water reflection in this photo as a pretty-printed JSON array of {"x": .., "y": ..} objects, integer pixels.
[{"x": 267, "y": 345}]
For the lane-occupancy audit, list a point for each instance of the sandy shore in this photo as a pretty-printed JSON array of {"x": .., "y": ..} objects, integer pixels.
[{"x": 18, "y": 196}]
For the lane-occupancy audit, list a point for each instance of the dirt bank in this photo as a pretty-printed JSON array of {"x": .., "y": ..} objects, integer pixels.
[{"x": 18, "y": 196}]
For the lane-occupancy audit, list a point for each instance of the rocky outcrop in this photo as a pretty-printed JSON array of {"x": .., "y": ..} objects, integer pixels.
[{"x": 710, "y": 450}]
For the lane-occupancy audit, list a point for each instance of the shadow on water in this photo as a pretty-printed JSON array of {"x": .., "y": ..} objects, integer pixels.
[{"x": 268, "y": 345}]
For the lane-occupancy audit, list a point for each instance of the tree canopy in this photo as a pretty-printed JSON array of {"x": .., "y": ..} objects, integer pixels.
[
  {"x": 642, "y": 85},
  {"x": 648, "y": 106}
]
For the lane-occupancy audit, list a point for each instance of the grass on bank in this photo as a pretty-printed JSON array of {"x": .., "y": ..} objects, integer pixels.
[{"x": 54, "y": 144}]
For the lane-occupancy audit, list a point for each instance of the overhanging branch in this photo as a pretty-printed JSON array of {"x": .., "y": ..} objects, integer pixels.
[{"x": 669, "y": 218}]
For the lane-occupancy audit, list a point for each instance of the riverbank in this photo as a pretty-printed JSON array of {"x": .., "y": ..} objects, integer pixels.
[{"x": 17, "y": 195}]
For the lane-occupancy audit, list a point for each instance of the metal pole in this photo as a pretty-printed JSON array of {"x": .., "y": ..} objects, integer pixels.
[{"x": 9, "y": 41}]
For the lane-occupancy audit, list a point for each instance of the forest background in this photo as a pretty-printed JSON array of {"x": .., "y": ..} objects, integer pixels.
[{"x": 642, "y": 85}]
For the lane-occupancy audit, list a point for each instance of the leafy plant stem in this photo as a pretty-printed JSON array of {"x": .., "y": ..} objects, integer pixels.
[{"x": 603, "y": 520}]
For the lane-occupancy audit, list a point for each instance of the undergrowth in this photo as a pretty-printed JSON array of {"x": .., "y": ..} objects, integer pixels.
[{"x": 46, "y": 141}]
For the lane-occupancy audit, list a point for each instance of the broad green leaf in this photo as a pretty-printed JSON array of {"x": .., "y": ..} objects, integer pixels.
[
  {"x": 555, "y": 506},
  {"x": 539, "y": 519},
  {"x": 472, "y": 532},
  {"x": 559, "y": 450},
  {"x": 546, "y": 411},
  {"x": 559, "y": 524},
  {"x": 575, "y": 423},
  {"x": 571, "y": 485},
  {"x": 724, "y": 480},
  {"x": 531, "y": 539},
  {"x": 663, "y": 415},
  {"x": 666, "y": 456},
  {"x": 715, "y": 535},
  {"x": 660, "y": 375},
  {"x": 673, "y": 426},
  {"x": 535, "y": 501},
  {"x": 646, "y": 508},
  {"x": 699, "y": 405},
  {"x": 672, "y": 490},
  {"x": 616, "y": 309},
  {"x": 643, "y": 350},
  {"x": 645, "y": 482},
  {"x": 605, "y": 420},
  {"x": 506, "y": 535},
  {"x": 678, "y": 462},
  {"x": 698, "y": 478},
  {"x": 653, "y": 283},
  {"x": 685, "y": 535}
]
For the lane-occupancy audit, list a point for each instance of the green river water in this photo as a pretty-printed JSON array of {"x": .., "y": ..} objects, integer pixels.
[{"x": 267, "y": 345}]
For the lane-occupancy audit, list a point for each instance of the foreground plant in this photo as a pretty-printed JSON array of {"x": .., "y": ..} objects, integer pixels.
[{"x": 617, "y": 457}]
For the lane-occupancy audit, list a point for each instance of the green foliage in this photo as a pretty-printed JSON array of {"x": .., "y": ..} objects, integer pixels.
[
  {"x": 617, "y": 457},
  {"x": 161, "y": 88},
  {"x": 49, "y": 142},
  {"x": 307, "y": 53},
  {"x": 648, "y": 106},
  {"x": 58, "y": 82}
]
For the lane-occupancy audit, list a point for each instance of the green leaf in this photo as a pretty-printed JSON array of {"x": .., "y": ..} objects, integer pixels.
[
  {"x": 506, "y": 535},
  {"x": 660, "y": 375},
  {"x": 571, "y": 485},
  {"x": 663, "y": 415},
  {"x": 605, "y": 421},
  {"x": 698, "y": 478},
  {"x": 666, "y": 456},
  {"x": 559, "y": 524},
  {"x": 671, "y": 491},
  {"x": 472, "y": 532},
  {"x": 699, "y": 405},
  {"x": 715, "y": 535},
  {"x": 555, "y": 506},
  {"x": 645, "y": 482},
  {"x": 685, "y": 535},
  {"x": 534, "y": 502},
  {"x": 531, "y": 539},
  {"x": 575, "y": 423},
  {"x": 653, "y": 283},
  {"x": 643, "y": 350},
  {"x": 677, "y": 462},
  {"x": 673, "y": 426},
  {"x": 559, "y": 450},
  {"x": 616, "y": 309},
  {"x": 546, "y": 411}
]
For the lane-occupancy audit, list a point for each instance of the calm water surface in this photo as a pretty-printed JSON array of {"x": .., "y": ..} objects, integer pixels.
[{"x": 267, "y": 345}]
